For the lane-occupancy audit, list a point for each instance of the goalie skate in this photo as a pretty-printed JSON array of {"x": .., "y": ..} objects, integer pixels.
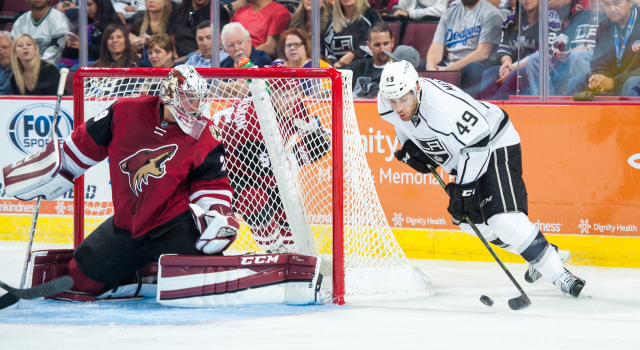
[{"x": 533, "y": 275}]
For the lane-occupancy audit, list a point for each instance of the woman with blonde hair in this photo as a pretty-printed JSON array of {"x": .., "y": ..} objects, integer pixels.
[
  {"x": 301, "y": 18},
  {"x": 347, "y": 30},
  {"x": 31, "y": 75},
  {"x": 155, "y": 21}
]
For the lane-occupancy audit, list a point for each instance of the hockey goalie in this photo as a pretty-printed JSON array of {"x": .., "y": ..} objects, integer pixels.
[
  {"x": 172, "y": 201},
  {"x": 251, "y": 169}
]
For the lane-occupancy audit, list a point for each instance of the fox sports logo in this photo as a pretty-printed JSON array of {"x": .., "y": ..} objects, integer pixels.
[{"x": 30, "y": 128}]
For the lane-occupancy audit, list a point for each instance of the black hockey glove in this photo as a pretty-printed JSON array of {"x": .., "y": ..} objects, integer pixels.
[
  {"x": 461, "y": 201},
  {"x": 414, "y": 157}
]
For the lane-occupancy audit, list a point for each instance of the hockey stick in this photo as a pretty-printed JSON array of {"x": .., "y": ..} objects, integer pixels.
[
  {"x": 517, "y": 303},
  {"x": 63, "y": 79},
  {"x": 56, "y": 286}
]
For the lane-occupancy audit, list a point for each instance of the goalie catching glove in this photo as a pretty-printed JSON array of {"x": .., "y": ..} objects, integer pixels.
[
  {"x": 414, "y": 157},
  {"x": 217, "y": 231},
  {"x": 39, "y": 174}
]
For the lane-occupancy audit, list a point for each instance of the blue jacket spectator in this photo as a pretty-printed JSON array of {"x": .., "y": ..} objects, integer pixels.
[{"x": 6, "y": 40}]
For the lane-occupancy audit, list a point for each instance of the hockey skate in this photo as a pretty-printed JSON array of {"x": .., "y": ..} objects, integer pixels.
[
  {"x": 570, "y": 284},
  {"x": 533, "y": 275}
]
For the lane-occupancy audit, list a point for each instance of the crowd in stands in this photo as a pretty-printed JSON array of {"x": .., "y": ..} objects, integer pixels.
[{"x": 493, "y": 45}]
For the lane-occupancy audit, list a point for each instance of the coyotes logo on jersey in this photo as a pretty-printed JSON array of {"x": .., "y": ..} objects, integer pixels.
[{"x": 145, "y": 163}]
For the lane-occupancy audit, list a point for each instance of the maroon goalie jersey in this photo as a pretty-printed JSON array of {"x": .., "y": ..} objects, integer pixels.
[{"x": 156, "y": 169}]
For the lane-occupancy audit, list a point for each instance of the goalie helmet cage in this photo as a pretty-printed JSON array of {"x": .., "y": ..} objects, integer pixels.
[{"x": 327, "y": 201}]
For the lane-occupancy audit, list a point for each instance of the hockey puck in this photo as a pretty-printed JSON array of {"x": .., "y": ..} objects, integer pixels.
[{"x": 486, "y": 300}]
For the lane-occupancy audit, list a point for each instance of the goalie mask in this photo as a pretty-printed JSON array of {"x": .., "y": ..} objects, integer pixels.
[
  {"x": 185, "y": 93},
  {"x": 397, "y": 80}
]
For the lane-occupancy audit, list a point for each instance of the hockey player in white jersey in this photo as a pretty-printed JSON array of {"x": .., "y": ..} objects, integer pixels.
[{"x": 440, "y": 125}]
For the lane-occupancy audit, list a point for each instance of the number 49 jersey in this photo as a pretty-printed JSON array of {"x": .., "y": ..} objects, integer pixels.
[{"x": 452, "y": 128}]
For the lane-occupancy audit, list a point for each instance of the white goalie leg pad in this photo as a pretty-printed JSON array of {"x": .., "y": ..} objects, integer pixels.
[
  {"x": 37, "y": 175},
  {"x": 224, "y": 281}
]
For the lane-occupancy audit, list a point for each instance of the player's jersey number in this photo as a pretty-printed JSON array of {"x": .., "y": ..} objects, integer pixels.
[{"x": 470, "y": 120}]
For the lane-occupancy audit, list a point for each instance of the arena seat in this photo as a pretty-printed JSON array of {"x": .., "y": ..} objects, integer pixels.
[
  {"x": 395, "y": 32},
  {"x": 420, "y": 36},
  {"x": 451, "y": 77}
]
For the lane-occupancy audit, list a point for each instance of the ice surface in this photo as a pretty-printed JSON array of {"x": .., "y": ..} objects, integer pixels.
[{"x": 454, "y": 318}]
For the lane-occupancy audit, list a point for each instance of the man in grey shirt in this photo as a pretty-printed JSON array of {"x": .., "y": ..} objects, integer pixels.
[{"x": 470, "y": 30}]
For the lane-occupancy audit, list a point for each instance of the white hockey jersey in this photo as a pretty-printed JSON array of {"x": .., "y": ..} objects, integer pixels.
[
  {"x": 50, "y": 33},
  {"x": 452, "y": 128}
]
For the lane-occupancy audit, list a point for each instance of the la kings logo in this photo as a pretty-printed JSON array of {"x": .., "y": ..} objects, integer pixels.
[{"x": 435, "y": 149}]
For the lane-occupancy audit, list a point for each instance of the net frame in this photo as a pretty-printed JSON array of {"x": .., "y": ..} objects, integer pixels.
[{"x": 337, "y": 171}]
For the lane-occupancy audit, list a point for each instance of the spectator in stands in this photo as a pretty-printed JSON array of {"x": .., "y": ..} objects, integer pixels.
[
  {"x": 470, "y": 31},
  {"x": 6, "y": 40},
  {"x": 127, "y": 9},
  {"x": 573, "y": 50},
  {"x": 116, "y": 50},
  {"x": 265, "y": 20},
  {"x": 294, "y": 45},
  {"x": 202, "y": 57},
  {"x": 301, "y": 18},
  {"x": 236, "y": 41},
  {"x": 160, "y": 51},
  {"x": 563, "y": 8},
  {"x": 155, "y": 21},
  {"x": 499, "y": 82},
  {"x": 31, "y": 75},
  {"x": 421, "y": 10},
  {"x": 347, "y": 31},
  {"x": 367, "y": 70},
  {"x": 101, "y": 15},
  {"x": 183, "y": 21},
  {"x": 47, "y": 26},
  {"x": 614, "y": 69}
]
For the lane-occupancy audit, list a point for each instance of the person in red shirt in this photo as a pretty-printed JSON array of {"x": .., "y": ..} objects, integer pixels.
[
  {"x": 171, "y": 193},
  {"x": 265, "y": 20}
]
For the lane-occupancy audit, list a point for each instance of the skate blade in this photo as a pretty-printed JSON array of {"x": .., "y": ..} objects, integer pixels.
[{"x": 584, "y": 294}]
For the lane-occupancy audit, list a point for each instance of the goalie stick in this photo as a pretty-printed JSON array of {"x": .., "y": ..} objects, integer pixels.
[
  {"x": 63, "y": 79},
  {"x": 517, "y": 303},
  {"x": 56, "y": 286}
]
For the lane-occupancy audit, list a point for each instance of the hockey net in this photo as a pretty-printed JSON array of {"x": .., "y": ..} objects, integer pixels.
[{"x": 297, "y": 165}]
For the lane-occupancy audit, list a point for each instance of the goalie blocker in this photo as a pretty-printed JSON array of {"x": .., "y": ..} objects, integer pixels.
[{"x": 37, "y": 175}]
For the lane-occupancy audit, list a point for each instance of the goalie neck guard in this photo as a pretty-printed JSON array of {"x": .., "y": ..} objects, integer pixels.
[{"x": 185, "y": 93}]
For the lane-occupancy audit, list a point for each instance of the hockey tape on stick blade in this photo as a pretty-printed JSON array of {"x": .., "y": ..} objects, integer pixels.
[
  {"x": 517, "y": 303},
  {"x": 56, "y": 286}
]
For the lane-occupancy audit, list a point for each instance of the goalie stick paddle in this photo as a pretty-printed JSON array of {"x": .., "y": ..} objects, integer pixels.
[
  {"x": 517, "y": 303},
  {"x": 34, "y": 221},
  {"x": 56, "y": 286}
]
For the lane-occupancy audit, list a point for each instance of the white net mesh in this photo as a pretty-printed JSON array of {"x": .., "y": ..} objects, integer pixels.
[{"x": 277, "y": 135}]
